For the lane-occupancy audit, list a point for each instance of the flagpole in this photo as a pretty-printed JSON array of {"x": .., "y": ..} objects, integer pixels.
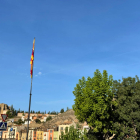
[
  {"x": 29, "y": 109},
  {"x": 30, "y": 95}
]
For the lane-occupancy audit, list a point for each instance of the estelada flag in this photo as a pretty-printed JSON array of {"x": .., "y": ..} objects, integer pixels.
[{"x": 32, "y": 59}]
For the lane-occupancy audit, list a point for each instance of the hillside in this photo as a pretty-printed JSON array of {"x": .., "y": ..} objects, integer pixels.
[{"x": 67, "y": 117}]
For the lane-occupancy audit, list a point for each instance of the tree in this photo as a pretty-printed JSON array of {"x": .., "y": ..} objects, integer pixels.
[
  {"x": 48, "y": 118},
  {"x": 11, "y": 107},
  {"x": 127, "y": 93},
  {"x": 27, "y": 120},
  {"x": 19, "y": 110},
  {"x": 9, "y": 113},
  {"x": 45, "y": 111},
  {"x": 31, "y": 111},
  {"x": 23, "y": 114},
  {"x": 49, "y": 112},
  {"x": 62, "y": 110},
  {"x": 73, "y": 134},
  {"x": 37, "y": 121},
  {"x": 67, "y": 109},
  {"x": 53, "y": 112},
  {"x": 93, "y": 102},
  {"x": 20, "y": 122}
]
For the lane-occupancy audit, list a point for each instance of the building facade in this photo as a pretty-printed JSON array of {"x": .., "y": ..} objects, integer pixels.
[
  {"x": 45, "y": 135},
  {"x": 56, "y": 135},
  {"x": 39, "y": 135},
  {"x": 4, "y": 108},
  {"x": 62, "y": 128},
  {"x": 50, "y": 134}
]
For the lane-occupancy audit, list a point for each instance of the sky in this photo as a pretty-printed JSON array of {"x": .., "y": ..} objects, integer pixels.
[{"x": 73, "y": 39}]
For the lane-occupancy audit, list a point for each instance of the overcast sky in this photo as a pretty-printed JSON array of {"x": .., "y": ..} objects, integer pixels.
[{"x": 73, "y": 39}]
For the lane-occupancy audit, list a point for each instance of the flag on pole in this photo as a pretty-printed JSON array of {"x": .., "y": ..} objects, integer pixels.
[{"x": 32, "y": 59}]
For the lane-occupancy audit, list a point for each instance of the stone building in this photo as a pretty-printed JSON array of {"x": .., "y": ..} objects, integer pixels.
[{"x": 4, "y": 108}]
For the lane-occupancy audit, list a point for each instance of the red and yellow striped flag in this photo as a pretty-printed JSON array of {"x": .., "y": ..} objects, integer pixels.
[{"x": 32, "y": 59}]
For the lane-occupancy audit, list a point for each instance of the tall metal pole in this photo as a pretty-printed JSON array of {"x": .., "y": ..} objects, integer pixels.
[
  {"x": 29, "y": 109},
  {"x": 1, "y": 135},
  {"x": 30, "y": 91}
]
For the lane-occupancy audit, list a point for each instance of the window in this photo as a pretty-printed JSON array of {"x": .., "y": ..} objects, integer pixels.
[
  {"x": 61, "y": 128},
  {"x": 50, "y": 131},
  {"x": 50, "y": 138}
]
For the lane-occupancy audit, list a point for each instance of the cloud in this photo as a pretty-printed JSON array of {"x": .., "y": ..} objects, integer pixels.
[{"x": 39, "y": 73}]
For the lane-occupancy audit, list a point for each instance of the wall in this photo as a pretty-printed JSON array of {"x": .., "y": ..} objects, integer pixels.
[
  {"x": 45, "y": 135},
  {"x": 24, "y": 134},
  {"x": 30, "y": 135},
  {"x": 2, "y": 108},
  {"x": 64, "y": 126},
  {"x": 56, "y": 135},
  {"x": 5, "y": 134},
  {"x": 50, "y": 133},
  {"x": 34, "y": 135},
  {"x": 39, "y": 135},
  {"x": 17, "y": 136}
]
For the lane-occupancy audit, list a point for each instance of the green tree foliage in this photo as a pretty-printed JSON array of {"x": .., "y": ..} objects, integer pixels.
[
  {"x": 9, "y": 113},
  {"x": 67, "y": 109},
  {"x": 53, "y": 113},
  {"x": 27, "y": 120},
  {"x": 48, "y": 118},
  {"x": 49, "y": 112},
  {"x": 11, "y": 107},
  {"x": 73, "y": 134},
  {"x": 62, "y": 110},
  {"x": 127, "y": 93},
  {"x": 93, "y": 102},
  {"x": 23, "y": 114},
  {"x": 19, "y": 110},
  {"x": 94, "y": 136},
  {"x": 45, "y": 111},
  {"x": 20, "y": 122},
  {"x": 37, "y": 121},
  {"x": 22, "y": 111}
]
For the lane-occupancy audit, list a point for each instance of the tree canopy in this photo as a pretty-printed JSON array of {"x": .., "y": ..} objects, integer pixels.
[
  {"x": 128, "y": 109},
  {"x": 93, "y": 102},
  {"x": 62, "y": 110},
  {"x": 48, "y": 118},
  {"x": 37, "y": 121}
]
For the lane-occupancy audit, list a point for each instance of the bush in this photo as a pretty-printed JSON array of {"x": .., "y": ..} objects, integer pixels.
[
  {"x": 37, "y": 121},
  {"x": 49, "y": 118}
]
